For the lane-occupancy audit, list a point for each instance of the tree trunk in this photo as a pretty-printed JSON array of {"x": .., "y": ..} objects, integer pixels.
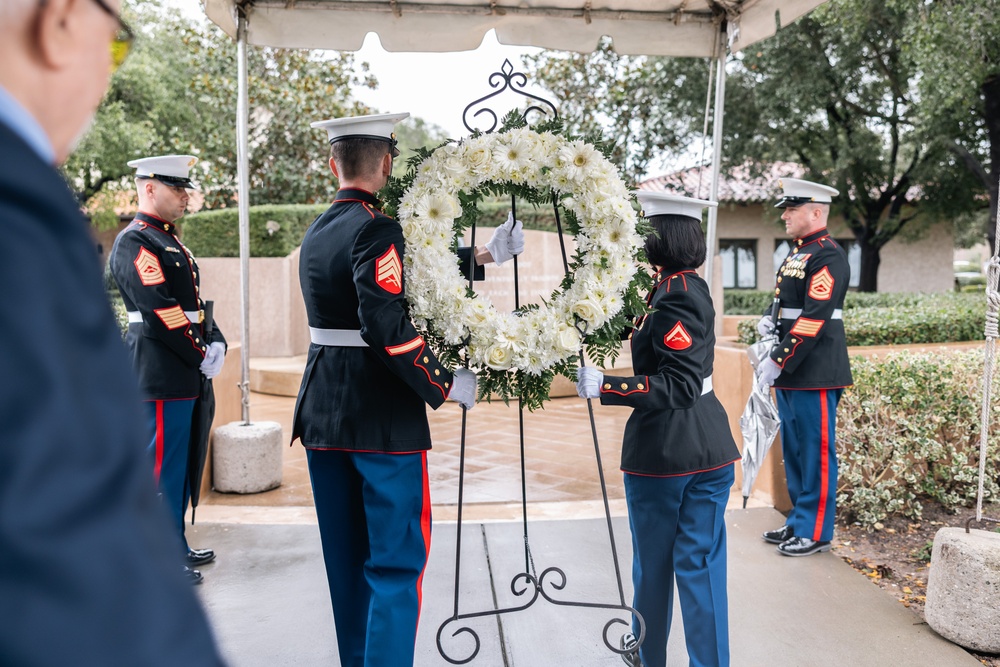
[
  {"x": 991, "y": 99},
  {"x": 871, "y": 257}
]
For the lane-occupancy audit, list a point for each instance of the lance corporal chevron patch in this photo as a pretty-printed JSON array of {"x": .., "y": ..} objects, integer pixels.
[
  {"x": 678, "y": 338},
  {"x": 389, "y": 271}
]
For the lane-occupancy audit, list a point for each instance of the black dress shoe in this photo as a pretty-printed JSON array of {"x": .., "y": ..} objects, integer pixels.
[
  {"x": 780, "y": 535},
  {"x": 631, "y": 658},
  {"x": 193, "y": 576},
  {"x": 199, "y": 556},
  {"x": 802, "y": 546}
]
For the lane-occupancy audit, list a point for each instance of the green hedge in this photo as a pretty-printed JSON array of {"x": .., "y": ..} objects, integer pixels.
[
  {"x": 902, "y": 319},
  {"x": 746, "y": 302},
  {"x": 756, "y": 302},
  {"x": 216, "y": 233},
  {"x": 909, "y": 429}
]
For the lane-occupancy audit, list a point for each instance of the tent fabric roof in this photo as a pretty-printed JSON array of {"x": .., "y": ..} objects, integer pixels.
[{"x": 649, "y": 27}]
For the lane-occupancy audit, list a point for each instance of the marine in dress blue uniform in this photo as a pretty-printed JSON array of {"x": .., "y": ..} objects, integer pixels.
[
  {"x": 678, "y": 450},
  {"x": 361, "y": 409},
  {"x": 809, "y": 365},
  {"x": 159, "y": 282},
  {"x": 85, "y": 574}
]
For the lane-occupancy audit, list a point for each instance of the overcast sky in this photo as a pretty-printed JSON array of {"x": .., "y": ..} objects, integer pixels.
[
  {"x": 433, "y": 86},
  {"x": 436, "y": 86}
]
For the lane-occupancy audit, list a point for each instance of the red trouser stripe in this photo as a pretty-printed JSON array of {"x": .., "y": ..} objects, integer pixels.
[
  {"x": 425, "y": 529},
  {"x": 158, "y": 463},
  {"x": 824, "y": 464}
]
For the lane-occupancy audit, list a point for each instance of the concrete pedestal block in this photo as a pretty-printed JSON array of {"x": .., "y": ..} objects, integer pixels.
[
  {"x": 246, "y": 458},
  {"x": 963, "y": 588}
]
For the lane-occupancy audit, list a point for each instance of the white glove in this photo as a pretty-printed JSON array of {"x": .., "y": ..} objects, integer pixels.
[
  {"x": 767, "y": 373},
  {"x": 215, "y": 355},
  {"x": 515, "y": 244},
  {"x": 588, "y": 382},
  {"x": 463, "y": 388},
  {"x": 765, "y": 327},
  {"x": 507, "y": 240}
]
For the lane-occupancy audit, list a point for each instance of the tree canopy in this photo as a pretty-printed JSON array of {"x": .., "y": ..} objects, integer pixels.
[
  {"x": 836, "y": 92},
  {"x": 177, "y": 94}
]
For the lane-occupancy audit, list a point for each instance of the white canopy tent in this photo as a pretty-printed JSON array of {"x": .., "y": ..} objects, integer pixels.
[{"x": 691, "y": 28}]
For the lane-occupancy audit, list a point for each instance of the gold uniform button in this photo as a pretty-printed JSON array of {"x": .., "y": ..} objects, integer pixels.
[
  {"x": 779, "y": 360},
  {"x": 198, "y": 340},
  {"x": 607, "y": 386},
  {"x": 624, "y": 385},
  {"x": 177, "y": 263},
  {"x": 777, "y": 291},
  {"x": 779, "y": 279},
  {"x": 426, "y": 360},
  {"x": 446, "y": 385},
  {"x": 202, "y": 348},
  {"x": 794, "y": 341},
  {"x": 438, "y": 372},
  {"x": 640, "y": 386},
  {"x": 786, "y": 349}
]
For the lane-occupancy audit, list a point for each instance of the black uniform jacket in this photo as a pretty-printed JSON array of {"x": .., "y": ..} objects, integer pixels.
[
  {"x": 158, "y": 277},
  {"x": 88, "y": 566},
  {"x": 363, "y": 398},
  {"x": 812, "y": 351},
  {"x": 674, "y": 429}
]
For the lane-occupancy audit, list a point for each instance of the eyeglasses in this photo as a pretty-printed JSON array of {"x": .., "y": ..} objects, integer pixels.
[{"x": 122, "y": 42}]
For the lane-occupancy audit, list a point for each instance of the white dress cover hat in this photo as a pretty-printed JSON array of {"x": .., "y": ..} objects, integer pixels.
[
  {"x": 172, "y": 170},
  {"x": 378, "y": 126},
  {"x": 655, "y": 202}
]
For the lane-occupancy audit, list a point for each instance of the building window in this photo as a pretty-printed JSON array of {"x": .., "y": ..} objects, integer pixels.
[
  {"x": 853, "y": 250},
  {"x": 850, "y": 246},
  {"x": 739, "y": 263}
]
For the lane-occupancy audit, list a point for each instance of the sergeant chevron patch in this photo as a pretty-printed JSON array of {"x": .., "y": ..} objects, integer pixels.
[
  {"x": 821, "y": 285},
  {"x": 389, "y": 271},
  {"x": 148, "y": 267},
  {"x": 678, "y": 338}
]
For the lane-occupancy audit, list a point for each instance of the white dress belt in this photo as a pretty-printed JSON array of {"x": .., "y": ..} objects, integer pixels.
[
  {"x": 706, "y": 386},
  {"x": 337, "y": 337},
  {"x": 795, "y": 313},
  {"x": 194, "y": 316}
]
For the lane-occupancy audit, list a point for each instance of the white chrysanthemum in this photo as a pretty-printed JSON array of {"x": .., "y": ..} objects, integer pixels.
[
  {"x": 513, "y": 154},
  {"x": 540, "y": 338},
  {"x": 437, "y": 209}
]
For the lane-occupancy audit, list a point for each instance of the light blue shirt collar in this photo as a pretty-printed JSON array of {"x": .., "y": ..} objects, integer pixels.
[{"x": 24, "y": 125}]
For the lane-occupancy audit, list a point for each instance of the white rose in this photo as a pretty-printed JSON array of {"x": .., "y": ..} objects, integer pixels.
[
  {"x": 569, "y": 339},
  {"x": 498, "y": 357},
  {"x": 588, "y": 310}
]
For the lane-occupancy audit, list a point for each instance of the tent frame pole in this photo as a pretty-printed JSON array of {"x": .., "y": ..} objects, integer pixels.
[
  {"x": 720, "y": 102},
  {"x": 243, "y": 201}
]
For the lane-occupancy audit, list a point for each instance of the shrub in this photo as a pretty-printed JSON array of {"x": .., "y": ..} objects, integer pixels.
[
  {"x": 275, "y": 230},
  {"x": 901, "y": 319},
  {"x": 746, "y": 302},
  {"x": 909, "y": 429}
]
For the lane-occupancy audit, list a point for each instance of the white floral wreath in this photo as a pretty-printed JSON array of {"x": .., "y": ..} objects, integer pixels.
[{"x": 532, "y": 340}]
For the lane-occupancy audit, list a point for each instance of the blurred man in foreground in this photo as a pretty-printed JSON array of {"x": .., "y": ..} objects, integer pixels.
[{"x": 86, "y": 573}]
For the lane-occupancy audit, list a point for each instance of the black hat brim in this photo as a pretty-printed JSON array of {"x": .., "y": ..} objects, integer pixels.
[
  {"x": 795, "y": 202},
  {"x": 174, "y": 181}
]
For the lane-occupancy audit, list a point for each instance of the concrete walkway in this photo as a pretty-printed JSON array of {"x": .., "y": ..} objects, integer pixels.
[{"x": 267, "y": 598}]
